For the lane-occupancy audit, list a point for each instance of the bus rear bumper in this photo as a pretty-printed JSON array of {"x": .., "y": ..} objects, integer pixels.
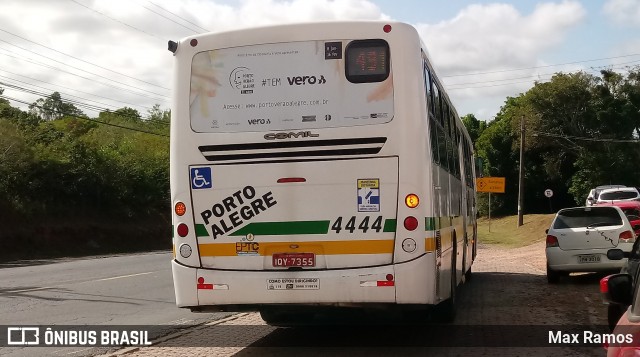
[{"x": 219, "y": 290}]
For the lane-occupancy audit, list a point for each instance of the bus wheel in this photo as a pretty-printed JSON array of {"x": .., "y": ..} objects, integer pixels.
[
  {"x": 283, "y": 318},
  {"x": 468, "y": 275}
]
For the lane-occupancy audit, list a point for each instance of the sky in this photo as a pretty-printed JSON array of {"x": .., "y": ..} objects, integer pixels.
[{"x": 108, "y": 54}]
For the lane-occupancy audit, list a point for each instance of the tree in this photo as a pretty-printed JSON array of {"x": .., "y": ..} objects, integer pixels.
[
  {"x": 474, "y": 126},
  {"x": 53, "y": 107}
]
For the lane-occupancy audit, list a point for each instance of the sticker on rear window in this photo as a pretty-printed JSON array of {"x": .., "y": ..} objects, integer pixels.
[
  {"x": 368, "y": 195},
  {"x": 201, "y": 178}
]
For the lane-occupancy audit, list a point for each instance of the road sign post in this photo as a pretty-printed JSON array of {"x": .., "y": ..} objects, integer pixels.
[
  {"x": 548, "y": 193},
  {"x": 490, "y": 185}
]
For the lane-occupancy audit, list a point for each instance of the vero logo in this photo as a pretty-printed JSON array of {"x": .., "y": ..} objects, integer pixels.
[{"x": 304, "y": 80}]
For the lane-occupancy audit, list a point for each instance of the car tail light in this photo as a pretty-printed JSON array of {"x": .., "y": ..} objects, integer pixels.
[
  {"x": 552, "y": 241},
  {"x": 604, "y": 285},
  {"x": 627, "y": 237}
]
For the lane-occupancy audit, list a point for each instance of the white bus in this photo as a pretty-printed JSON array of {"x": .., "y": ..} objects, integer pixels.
[{"x": 315, "y": 165}]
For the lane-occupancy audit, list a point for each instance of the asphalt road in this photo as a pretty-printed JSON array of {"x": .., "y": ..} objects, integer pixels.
[
  {"x": 508, "y": 288},
  {"x": 507, "y": 303},
  {"x": 117, "y": 290}
]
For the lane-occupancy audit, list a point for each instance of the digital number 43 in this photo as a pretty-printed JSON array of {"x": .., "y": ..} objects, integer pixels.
[{"x": 363, "y": 226}]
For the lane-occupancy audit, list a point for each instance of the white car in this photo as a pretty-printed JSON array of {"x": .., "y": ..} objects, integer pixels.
[
  {"x": 612, "y": 195},
  {"x": 579, "y": 238},
  {"x": 595, "y": 192}
]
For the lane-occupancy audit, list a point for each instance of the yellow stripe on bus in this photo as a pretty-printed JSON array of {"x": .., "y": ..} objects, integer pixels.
[
  {"x": 430, "y": 244},
  {"x": 317, "y": 247}
]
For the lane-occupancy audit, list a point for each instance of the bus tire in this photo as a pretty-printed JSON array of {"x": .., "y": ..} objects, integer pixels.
[
  {"x": 283, "y": 318},
  {"x": 468, "y": 275}
]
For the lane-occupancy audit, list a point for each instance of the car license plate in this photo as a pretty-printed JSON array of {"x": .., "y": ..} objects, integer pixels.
[
  {"x": 294, "y": 260},
  {"x": 592, "y": 258}
]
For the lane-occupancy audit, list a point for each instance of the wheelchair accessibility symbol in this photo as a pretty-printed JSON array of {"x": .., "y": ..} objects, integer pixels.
[{"x": 201, "y": 178}]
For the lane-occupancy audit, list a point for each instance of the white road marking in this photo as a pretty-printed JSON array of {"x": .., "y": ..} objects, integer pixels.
[
  {"x": 32, "y": 289},
  {"x": 124, "y": 276},
  {"x": 83, "y": 282}
]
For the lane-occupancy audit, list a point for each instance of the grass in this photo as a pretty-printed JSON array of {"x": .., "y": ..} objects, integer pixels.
[{"x": 505, "y": 232}]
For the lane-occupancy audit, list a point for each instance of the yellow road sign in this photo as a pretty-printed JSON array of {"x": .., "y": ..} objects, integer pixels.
[{"x": 490, "y": 184}]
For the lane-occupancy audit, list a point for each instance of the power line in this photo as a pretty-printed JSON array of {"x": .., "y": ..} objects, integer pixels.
[
  {"x": 529, "y": 76},
  {"x": 27, "y": 59},
  {"x": 116, "y": 20},
  {"x": 535, "y": 67},
  {"x": 168, "y": 18},
  {"x": 586, "y": 138},
  {"x": 69, "y": 88},
  {"x": 81, "y": 70},
  {"x": 80, "y": 104},
  {"x": 545, "y": 77},
  {"x": 176, "y": 15},
  {"x": 81, "y": 60},
  {"x": 89, "y": 119}
]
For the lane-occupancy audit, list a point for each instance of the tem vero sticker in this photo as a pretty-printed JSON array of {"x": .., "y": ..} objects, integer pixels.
[
  {"x": 293, "y": 284},
  {"x": 201, "y": 178},
  {"x": 368, "y": 195}
]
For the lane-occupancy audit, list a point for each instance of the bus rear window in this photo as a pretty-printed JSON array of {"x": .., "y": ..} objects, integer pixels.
[{"x": 291, "y": 86}]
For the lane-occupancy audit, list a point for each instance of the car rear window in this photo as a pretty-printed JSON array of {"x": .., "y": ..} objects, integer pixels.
[
  {"x": 588, "y": 216},
  {"x": 618, "y": 195}
]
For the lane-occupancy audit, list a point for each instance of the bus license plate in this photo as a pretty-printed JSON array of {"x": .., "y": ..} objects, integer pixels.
[
  {"x": 294, "y": 260},
  {"x": 592, "y": 258}
]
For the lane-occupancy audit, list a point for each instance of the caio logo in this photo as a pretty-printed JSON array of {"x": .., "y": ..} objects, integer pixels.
[{"x": 304, "y": 80}]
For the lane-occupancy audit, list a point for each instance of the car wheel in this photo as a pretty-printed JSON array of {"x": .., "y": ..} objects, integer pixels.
[
  {"x": 614, "y": 313},
  {"x": 553, "y": 277}
]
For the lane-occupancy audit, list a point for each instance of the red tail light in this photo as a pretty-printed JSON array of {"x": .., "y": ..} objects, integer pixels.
[
  {"x": 604, "y": 285},
  {"x": 552, "y": 241},
  {"x": 183, "y": 230},
  {"x": 410, "y": 223},
  {"x": 627, "y": 237}
]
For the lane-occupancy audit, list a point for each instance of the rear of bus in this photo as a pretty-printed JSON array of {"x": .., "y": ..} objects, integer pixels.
[{"x": 298, "y": 157}]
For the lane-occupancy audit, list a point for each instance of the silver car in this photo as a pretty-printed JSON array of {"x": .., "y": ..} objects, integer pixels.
[{"x": 579, "y": 238}]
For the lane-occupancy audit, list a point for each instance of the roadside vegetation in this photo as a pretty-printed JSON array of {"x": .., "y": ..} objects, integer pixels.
[
  {"x": 73, "y": 185},
  {"x": 581, "y": 131},
  {"x": 503, "y": 231}
]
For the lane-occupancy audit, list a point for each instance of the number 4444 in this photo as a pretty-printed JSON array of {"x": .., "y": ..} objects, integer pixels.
[{"x": 350, "y": 224}]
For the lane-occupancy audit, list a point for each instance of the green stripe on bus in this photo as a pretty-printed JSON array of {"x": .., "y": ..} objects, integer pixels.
[
  {"x": 389, "y": 225},
  {"x": 201, "y": 230},
  {"x": 430, "y": 223},
  {"x": 284, "y": 228}
]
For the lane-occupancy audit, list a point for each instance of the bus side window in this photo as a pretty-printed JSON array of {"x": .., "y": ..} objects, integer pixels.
[
  {"x": 430, "y": 117},
  {"x": 442, "y": 147},
  {"x": 436, "y": 101}
]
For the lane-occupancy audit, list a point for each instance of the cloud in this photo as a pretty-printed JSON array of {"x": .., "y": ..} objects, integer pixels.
[
  {"x": 495, "y": 37},
  {"x": 130, "y": 37},
  {"x": 623, "y": 12}
]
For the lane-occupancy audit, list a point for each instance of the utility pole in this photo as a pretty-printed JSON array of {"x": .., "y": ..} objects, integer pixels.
[{"x": 521, "y": 174}]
